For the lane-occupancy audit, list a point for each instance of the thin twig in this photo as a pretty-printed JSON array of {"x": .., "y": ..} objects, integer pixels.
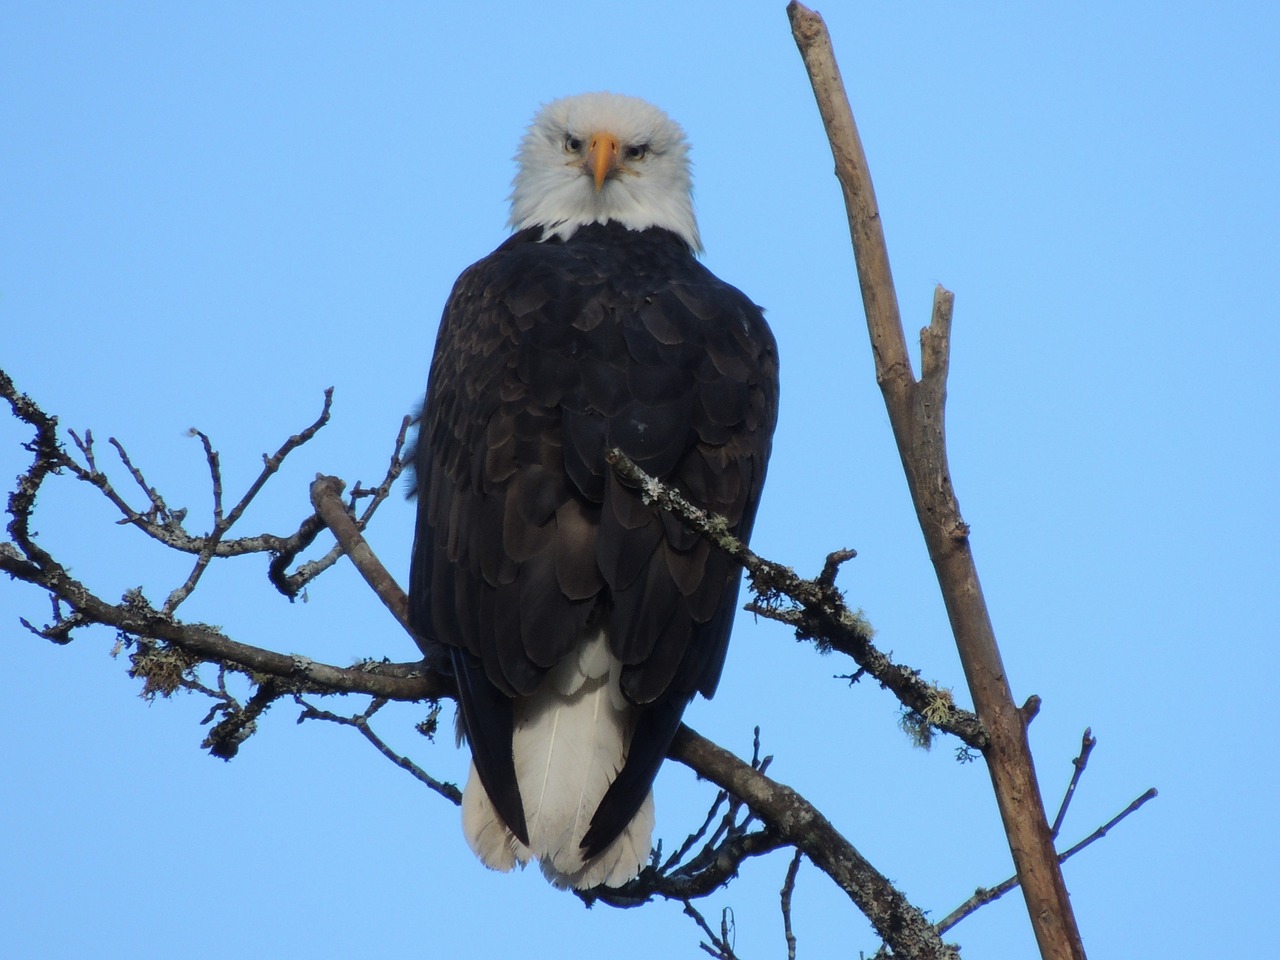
[
  {"x": 718, "y": 945},
  {"x": 215, "y": 473},
  {"x": 360, "y": 722},
  {"x": 85, "y": 447},
  {"x": 158, "y": 507},
  {"x": 221, "y": 523},
  {"x": 270, "y": 464},
  {"x": 691, "y": 841},
  {"x": 165, "y": 525},
  {"x": 984, "y": 895},
  {"x": 1087, "y": 743},
  {"x": 788, "y": 889},
  {"x": 1101, "y": 832},
  {"x": 210, "y": 545}
]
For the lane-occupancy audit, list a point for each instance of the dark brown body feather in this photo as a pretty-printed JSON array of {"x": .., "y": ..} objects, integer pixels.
[{"x": 550, "y": 353}]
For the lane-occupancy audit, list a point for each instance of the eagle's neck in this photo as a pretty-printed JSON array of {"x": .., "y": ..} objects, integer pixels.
[{"x": 564, "y": 207}]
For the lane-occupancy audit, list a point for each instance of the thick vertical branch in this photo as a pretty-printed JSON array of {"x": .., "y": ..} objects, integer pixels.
[{"x": 916, "y": 413}]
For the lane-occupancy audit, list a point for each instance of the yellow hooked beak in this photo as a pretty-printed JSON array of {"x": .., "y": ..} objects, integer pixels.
[{"x": 602, "y": 157}]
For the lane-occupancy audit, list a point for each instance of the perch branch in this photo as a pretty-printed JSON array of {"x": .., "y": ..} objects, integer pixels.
[
  {"x": 798, "y": 822},
  {"x": 686, "y": 877},
  {"x": 916, "y": 413},
  {"x": 818, "y": 610}
]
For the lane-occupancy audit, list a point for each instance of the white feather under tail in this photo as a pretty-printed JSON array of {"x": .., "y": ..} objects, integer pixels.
[
  {"x": 488, "y": 837},
  {"x": 570, "y": 741}
]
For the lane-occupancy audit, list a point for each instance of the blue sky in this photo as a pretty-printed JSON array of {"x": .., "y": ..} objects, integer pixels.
[{"x": 209, "y": 213}]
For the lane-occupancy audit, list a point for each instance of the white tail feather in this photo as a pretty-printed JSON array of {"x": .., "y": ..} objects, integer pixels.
[
  {"x": 570, "y": 741},
  {"x": 488, "y": 837}
]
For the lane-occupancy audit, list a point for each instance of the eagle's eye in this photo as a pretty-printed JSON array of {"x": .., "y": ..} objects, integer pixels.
[
  {"x": 637, "y": 151},
  {"x": 572, "y": 144}
]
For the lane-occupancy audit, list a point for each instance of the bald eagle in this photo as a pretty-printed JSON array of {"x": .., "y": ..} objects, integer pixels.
[{"x": 578, "y": 621}]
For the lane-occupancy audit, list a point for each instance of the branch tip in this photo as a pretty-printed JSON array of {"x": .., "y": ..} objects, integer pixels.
[{"x": 1030, "y": 709}]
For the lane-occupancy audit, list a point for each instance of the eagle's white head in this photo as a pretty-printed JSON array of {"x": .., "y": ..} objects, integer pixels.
[{"x": 598, "y": 157}]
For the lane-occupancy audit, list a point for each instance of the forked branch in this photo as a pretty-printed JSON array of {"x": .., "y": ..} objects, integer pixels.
[{"x": 916, "y": 413}]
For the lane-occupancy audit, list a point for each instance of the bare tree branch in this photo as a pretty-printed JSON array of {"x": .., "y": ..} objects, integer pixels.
[
  {"x": 165, "y": 525},
  {"x": 686, "y": 875},
  {"x": 326, "y": 496},
  {"x": 984, "y": 895},
  {"x": 291, "y": 584},
  {"x": 916, "y": 412},
  {"x": 816, "y": 610},
  {"x": 168, "y": 652},
  {"x": 719, "y": 946},
  {"x": 361, "y": 723},
  {"x": 797, "y": 821}
]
